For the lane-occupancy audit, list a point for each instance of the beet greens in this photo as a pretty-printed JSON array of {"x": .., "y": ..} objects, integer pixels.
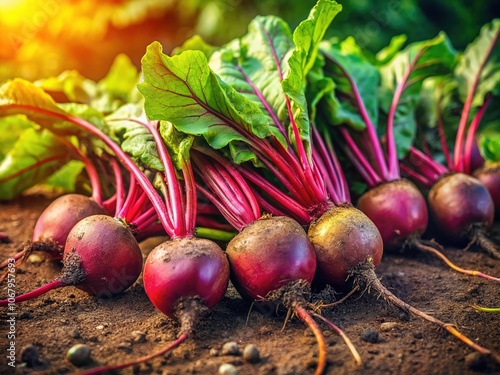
[{"x": 264, "y": 121}]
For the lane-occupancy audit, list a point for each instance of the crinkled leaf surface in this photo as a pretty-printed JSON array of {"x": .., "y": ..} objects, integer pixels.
[
  {"x": 36, "y": 155},
  {"x": 352, "y": 73},
  {"x": 182, "y": 89},
  {"x": 411, "y": 67},
  {"x": 480, "y": 65}
]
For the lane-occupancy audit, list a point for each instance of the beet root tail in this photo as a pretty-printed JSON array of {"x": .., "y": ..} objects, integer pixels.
[{"x": 365, "y": 275}]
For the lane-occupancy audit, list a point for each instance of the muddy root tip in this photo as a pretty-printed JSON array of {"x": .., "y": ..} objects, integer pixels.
[
  {"x": 189, "y": 312},
  {"x": 295, "y": 293},
  {"x": 478, "y": 237}
]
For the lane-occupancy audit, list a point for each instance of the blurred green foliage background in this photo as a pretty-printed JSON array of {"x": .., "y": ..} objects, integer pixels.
[{"x": 42, "y": 39}]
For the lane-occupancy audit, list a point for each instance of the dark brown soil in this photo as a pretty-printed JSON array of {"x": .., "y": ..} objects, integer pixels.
[{"x": 65, "y": 317}]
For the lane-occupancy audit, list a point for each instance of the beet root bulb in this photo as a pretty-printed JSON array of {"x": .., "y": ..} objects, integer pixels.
[
  {"x": 180, "y": 270},
  {"x": 398, "y": 209},
  {"x": 343, "y": 237},
  {"x": 457, "y": 202},
  {"x": 56, "y": 221},
  {"x": 490, "y": 177},
  {"x": 268, "y": 254},
  {"x": 101, "y": 256}
]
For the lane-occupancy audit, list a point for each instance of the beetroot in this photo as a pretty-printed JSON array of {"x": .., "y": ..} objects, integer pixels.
[
  {"x": 101, "y": 257},
  {"x": 467, "y": 221},
  {"x": 398, "y": 209},
  {"x": 185, "y": 268},
  {"x": 457, "y": 203},
  {"x": 489, "y": 175},
  {"x": 344, "y": 237},
  {"x": 60, "y": 216},
  {"x": 269, "y": 254}
]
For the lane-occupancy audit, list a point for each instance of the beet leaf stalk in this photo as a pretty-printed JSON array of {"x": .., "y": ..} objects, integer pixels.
[
  {"x": 472, "y": 218},
  {"x": 240, "y": 118},
  {"x": 394, "y": 204},
  {"x": 271, "y": 258},
  {"x": 194, "y": 293}
]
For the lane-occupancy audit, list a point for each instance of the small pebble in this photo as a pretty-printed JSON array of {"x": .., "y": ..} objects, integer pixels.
[
  {"x": 251, "y": 354},
  {"x": 369, "y": 335},
  {"x": 213, "y": 352},
  {"x": 138, "y": 336},
  {"x": 230, "y": 348},
  {"x": 100, "y": 327},
  {"x": 79, "y": 355},
  {"x": 227, "y": 369},
  {"x": 35, "y": 259},
  {"x": 75, "y": 334},
  {"x": 30, "y": 355},
  {"x": 388, "y": 326}
]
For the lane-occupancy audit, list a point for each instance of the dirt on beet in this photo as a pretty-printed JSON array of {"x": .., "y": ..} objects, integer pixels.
[{"x": 128, "y": 326}]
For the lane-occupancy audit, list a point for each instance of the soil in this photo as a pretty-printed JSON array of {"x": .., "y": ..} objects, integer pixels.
[{"x": 389, "y": 340}]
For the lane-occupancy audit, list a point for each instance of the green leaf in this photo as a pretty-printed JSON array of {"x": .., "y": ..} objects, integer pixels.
[
  {"x": 480, "y": 64},
  {"x": 11, "y": 128},
  {"x": 269, "y": 64},
  {"x": 355, "y": 77},
  {"x": 22, "y": 97},
  {"x": 19, "y": 92},
  {"x": 36, "y": 155},
  {"x": 134, "y": 138},
  {"x": 69, "y": 86},
  {"x": 196, "y": 42},
  {"x": 387, "y": 53},
  {"x": 178, "y": 144},
  {"x": 65, "y": 179},
  {"x": 182, "y": 89},
  {"x": 489, "y": 143},
  {"x": 410, "y": 68},
  {"x": 118, "y": 87}
]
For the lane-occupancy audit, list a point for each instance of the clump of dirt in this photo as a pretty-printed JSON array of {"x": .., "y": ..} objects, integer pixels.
[{"x": 128, "y": 326}]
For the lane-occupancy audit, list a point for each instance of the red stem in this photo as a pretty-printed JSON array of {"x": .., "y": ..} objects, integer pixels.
[
  {"x": 413, "y": 175},
  {"x": 57, "y": 283},
  {"x": 358, "y": 159},
  {"x": 370, "y": 128},
  {"x": 120, "y": 187},
  {"x": 392, "y": 154},
  {"x": 154, "y": 197},
  {"x": 91, "y": 170},
  {"x": 299, "y": 212},
  {"x": 428, "y": 167},
  {"x": 471, "y": 133},
  {"x": 247, "y": 192},
  {"x": 174, "y": 191},
  {"x": 191, "y": 199},
  {"x": 462, "y": 125}
]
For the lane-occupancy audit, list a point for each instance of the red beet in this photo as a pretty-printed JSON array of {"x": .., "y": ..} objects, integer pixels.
[
  {"x": 272, "y": 259},
  {"x": 489, "y": 176},
  {"x": 343, "y": 238},
  {"x": 269, "y": 254},
  {"x": 457, "y": 203},
  {"x": 101, "y": 257},
  {"x": 183, "y": 269},
  {"x": 57, "y": 220},
  {"x": 398, "y": 209},
  {"x": 54, "y": 224}
]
